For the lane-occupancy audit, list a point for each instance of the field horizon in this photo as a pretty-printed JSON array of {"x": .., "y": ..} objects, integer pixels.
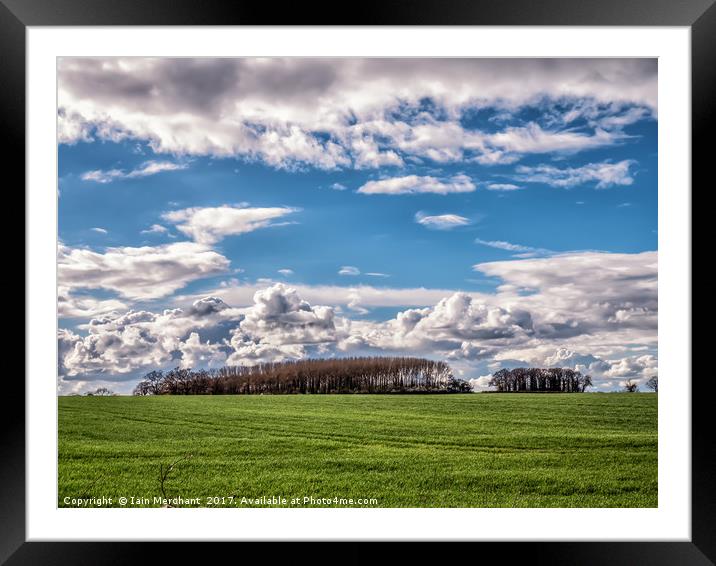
[{"x": 348, "y": 450}]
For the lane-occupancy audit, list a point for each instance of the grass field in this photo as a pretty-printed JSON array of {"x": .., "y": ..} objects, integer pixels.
[{"x": 479, "y": 450}]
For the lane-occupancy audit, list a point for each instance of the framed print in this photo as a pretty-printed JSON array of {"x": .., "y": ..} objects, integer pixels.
[{"x": 412, "y": 277}]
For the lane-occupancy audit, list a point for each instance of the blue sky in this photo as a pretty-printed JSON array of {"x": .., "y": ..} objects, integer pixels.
[{"x": 352, "y": 199}]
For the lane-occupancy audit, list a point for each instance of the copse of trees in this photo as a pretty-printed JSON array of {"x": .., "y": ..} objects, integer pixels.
[
  {"x": 540, "y": 380},
  {"x": 344, "y": 375}
]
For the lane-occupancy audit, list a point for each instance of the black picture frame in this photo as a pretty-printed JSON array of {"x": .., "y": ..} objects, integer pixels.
[{"x": 17, "y": 15}]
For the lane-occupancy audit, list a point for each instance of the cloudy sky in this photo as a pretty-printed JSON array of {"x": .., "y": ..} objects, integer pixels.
[{"x": 489, "y": 212}]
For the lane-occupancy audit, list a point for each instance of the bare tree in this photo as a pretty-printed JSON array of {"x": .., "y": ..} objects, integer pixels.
[
  {"x": 586, "y": 382},
  {"x": 101, "y": 392},
  {"x": 653, "y": 383},
  {"x": 631, "y": 386}
]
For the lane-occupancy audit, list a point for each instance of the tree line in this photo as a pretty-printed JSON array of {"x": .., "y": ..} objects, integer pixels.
[
  {"x": 543, "y": 380},
  {"x": 317, "y": 376}
]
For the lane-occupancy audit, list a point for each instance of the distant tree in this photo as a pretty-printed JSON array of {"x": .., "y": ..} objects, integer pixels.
[
  {"x": 458, "y": 386},
  {"x": 500, "y": 380},
  {"x": 342, "y": 375},
  {"x": 549, "y": 380},
  {"x": 151, "y": 384},
  {"x": 586, "y": 382},
  {"x": 101, "y": 392},
  {"x": 653, "y": 384},
  {"x": 630, "y": 386}
]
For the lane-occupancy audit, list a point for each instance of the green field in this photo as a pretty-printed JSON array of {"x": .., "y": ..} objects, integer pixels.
[{"x": 478, "y": 450}]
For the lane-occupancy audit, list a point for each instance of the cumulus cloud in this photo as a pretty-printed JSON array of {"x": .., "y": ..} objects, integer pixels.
[
  {"x": 147, "y": 272},
  {"x": 414, "y": 184},
  {"x": 604, "y": 174},
  {"x": 451, "y": 325},
  {"x": 638, "y": 367},
  {"x": 146, "y": 169},
  {"x": 441, "y": 221},
  {"x": 582, "y": 293},
  {"x": 241, "y": 293},
  {"x": 594, "y": 312},
  {"x": 596, "y": 302},
  {"x": 605, "y": 373},
  {"x": 211, "y": 224},
  {"x": 124, "y": 343},
  {"x": 279, "y": 326},
  {"x": 195, "y": 353},
  {"x": 481, "y": 383},
  {"x": 349, "y": 112},
  {"x": 564, "y": 357}
]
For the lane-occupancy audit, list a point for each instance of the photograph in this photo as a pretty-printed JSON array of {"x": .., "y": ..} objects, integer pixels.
[{"x": 357, "y": 282}]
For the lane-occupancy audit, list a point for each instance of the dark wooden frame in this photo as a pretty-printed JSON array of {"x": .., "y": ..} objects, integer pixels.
[{"x": 16, "y": 15}]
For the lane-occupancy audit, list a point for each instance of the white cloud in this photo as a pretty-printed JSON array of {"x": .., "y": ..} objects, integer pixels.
[
  {"x": 100, "y": 230},
  {"x": 577, "y": 294},
  {"x": 502, "y": 187},
  {"x": 279, "y": 326},
  {"x": 481, "y": 383},
  {"x": 122, "y": 344},
  {"x": 604, "y": 174},
  {"x": 533, "y": 139},
  {"x": 502, "y": 245},
  {"x": 367, "y": 154},
  {"x": 441, "y": 221},
  {"x": 338, "y": 187},
  {"x": 595, "y": 312},
  {"x": 73, "y": 306},
  {"x": 349, "y": 270},
  {"x": 241, "y": 293},
  {"x": 625, "y": 118},
  {"x": 285, "y": 272},
  {"x": 348, "y": 112},
  {"x": 451, "y": 325},
  {"x": 147, "y": 272},
  {"x": 146, "y": 169},
  {"x": 195, "y": 353},
  {"x": 210, "y": 225},
  {"x": 377, "y": 274},
  {"x": 154, "y": 167},
  {"x": 155, "y": 229},
  {"x": 598, "y": 302},
  {"x": 414, "y": 184},
  {"x": 102, "y": 176},
  {"x": 524, "y": 251},
  {"x": 639, "y": 367}
]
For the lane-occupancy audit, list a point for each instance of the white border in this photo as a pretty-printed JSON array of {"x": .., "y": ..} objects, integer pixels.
[{"x": 671, "y": 521}]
